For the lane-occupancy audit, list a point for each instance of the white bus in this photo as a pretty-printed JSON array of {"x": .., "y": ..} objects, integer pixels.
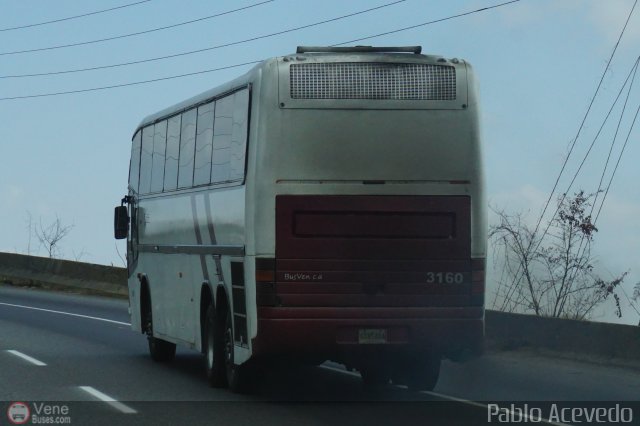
[{"x": 326, "y": 205}]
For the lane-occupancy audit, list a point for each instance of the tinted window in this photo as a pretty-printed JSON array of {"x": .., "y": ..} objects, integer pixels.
[
  {"x": 145, "y": 160},
  {"x": 222, "y": 129},
  {"x": 204, "y": 140},
  {"x": 187, "y": 148},
  {"x": 159, "y": 147},
  {"x": 172, "y": 154},
  {"x": 239, "y": 135},
  {"x": 230, "y": 137},
  {"x": 134, "y": 165}
]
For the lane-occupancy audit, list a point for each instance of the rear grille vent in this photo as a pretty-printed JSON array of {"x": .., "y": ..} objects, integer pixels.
[{"x": 363, "y": 80}]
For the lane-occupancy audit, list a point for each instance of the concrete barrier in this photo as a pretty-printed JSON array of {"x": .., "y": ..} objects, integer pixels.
[
  {"x": 505, "y": 331},
  {"x": 20, "y": 269}
]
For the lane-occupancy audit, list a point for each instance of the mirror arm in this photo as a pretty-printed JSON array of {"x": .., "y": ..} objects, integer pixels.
[{"x": 126, "y": 199}]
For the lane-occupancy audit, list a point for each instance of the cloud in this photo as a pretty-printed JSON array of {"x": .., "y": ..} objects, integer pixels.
[
  {"x": 618, "y": 238},
  {"x": 12, "y": 195},
  {"x": 620, "y": 212},
  {"x": 526, "y": 199},
  {"x": 608, "y": 17},
  {"x": 524, "y": 13}
]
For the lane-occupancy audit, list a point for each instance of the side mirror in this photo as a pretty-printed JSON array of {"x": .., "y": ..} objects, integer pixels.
[{"x": 120, "y": 222}]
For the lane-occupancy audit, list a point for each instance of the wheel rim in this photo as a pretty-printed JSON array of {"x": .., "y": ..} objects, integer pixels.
[
  {"x": 149, "y": 325},
  {"x": 151, "y": 341},
  {"x": 228, "y": 346}
]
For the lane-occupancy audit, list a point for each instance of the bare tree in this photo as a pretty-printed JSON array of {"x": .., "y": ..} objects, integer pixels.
[
  {"x": 553, "y": 274},
  {"x": 50, "y": 236},
  {"x": 122, "y": 259},
  {"x": 78, "y": 256},
  {"x": 29, "y": 221},
  {"x": 636, "y": 299}
]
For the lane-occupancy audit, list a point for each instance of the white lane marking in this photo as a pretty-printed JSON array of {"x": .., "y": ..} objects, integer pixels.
[
  {"x": 351, "y": 373},
  {"x": 453, "y": 398},
  {"x": 27, "y": 358},
  {"x": 65, "y": 313},
  {"x": 525, "y": 416},
  {"x": 106, "y": 398}
]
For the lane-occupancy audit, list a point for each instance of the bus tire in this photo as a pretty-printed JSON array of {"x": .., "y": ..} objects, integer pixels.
[
  {"x": 160, "y": 350},
  {"x": 424, "y": 374},
  {"x": 373, "y": 377},
  {"x": 237, "y": 375},
  {"x": 214, "y": 350}
]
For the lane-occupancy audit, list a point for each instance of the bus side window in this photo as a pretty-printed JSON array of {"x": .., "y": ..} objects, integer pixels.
[
  {"x": 204, "y": 141},
  {"x": 239, "y": 135},
  {"x": 134, "y": 166},
  {"x": 146, "y": 160},
  {"x": 187, "y": 148},
  {"x": 159, "y": 147},
  {"x": 222, "y": 140},
  {"x": 172, "y": 153}
]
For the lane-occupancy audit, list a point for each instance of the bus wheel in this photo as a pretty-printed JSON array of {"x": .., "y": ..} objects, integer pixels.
[
  {"x": 160, "y": 350},
  {"x": 373, "y": 377},
  {"x": 424, "y": 373},
  {"x": 214, "y": 355},
  {"x": 236, "y": 374}
]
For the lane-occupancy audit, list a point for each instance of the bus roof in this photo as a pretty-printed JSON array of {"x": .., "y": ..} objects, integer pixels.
[{"x": 354, "y": 53}]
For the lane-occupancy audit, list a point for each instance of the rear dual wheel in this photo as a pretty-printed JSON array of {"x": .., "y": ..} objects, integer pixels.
[
  {"x": 420, "y": 373},
  {"x": 374, "y": 376},
  {"x": 219, "y": 357},
  {"x": 214, "y": 347},
  {"x": 237, "y": 375}
]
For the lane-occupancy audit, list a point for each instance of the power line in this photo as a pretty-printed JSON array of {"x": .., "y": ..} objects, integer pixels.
[
  {"x": 614, "y": 171},
  {"x": 631, "y": 75},
  {"x": 604, "y": 197},
  {"x": 633, "y": 71},
  {"x": 615, "y": 137},
  {"x": 134, "y": 83},
  {"x": 221, "y": 68},
  {"x": 102, "y": 40},
  {"x": 584, "y": 119},
  {"x": 518, "y": 275},
  {"x": 633, "y": 306},
  {"x": 428, "y": 23},
  {"x": 581, "y": 251},
  {"x": 191, "y": 52},
  {"x": 564, "y": 195},
  {"x": 72, "y": 17}
]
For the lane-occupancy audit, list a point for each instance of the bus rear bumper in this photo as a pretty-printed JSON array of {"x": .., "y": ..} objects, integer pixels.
[{"x": 335, "y": 333}]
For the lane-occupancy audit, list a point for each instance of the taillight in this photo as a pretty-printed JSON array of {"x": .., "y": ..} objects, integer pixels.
[
  {"x": 266, "y": 282},
  {"x": 477, "y": 281}
]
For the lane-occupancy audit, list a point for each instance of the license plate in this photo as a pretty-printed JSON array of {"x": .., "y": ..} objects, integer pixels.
[{"x": 372, "y": 335}]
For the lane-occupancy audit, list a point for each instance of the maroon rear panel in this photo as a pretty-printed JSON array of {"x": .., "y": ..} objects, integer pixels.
[
  {"x": 372, "y": 227},
  {"x": 373, "y": 251}
]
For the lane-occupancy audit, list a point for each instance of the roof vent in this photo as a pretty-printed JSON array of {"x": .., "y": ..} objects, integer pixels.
[
  {"x": 365, "y": 80},
  {"x": 359, "y": 49}
]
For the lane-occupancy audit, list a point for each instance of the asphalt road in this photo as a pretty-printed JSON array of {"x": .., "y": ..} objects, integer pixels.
[{"x": 90, "y": 354}]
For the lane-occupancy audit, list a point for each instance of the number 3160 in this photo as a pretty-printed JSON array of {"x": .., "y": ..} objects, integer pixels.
[{"x": 445, "y": 277}]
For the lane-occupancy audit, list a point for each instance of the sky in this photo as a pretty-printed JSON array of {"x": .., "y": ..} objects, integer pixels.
[{"x": 538, "y": 63}]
